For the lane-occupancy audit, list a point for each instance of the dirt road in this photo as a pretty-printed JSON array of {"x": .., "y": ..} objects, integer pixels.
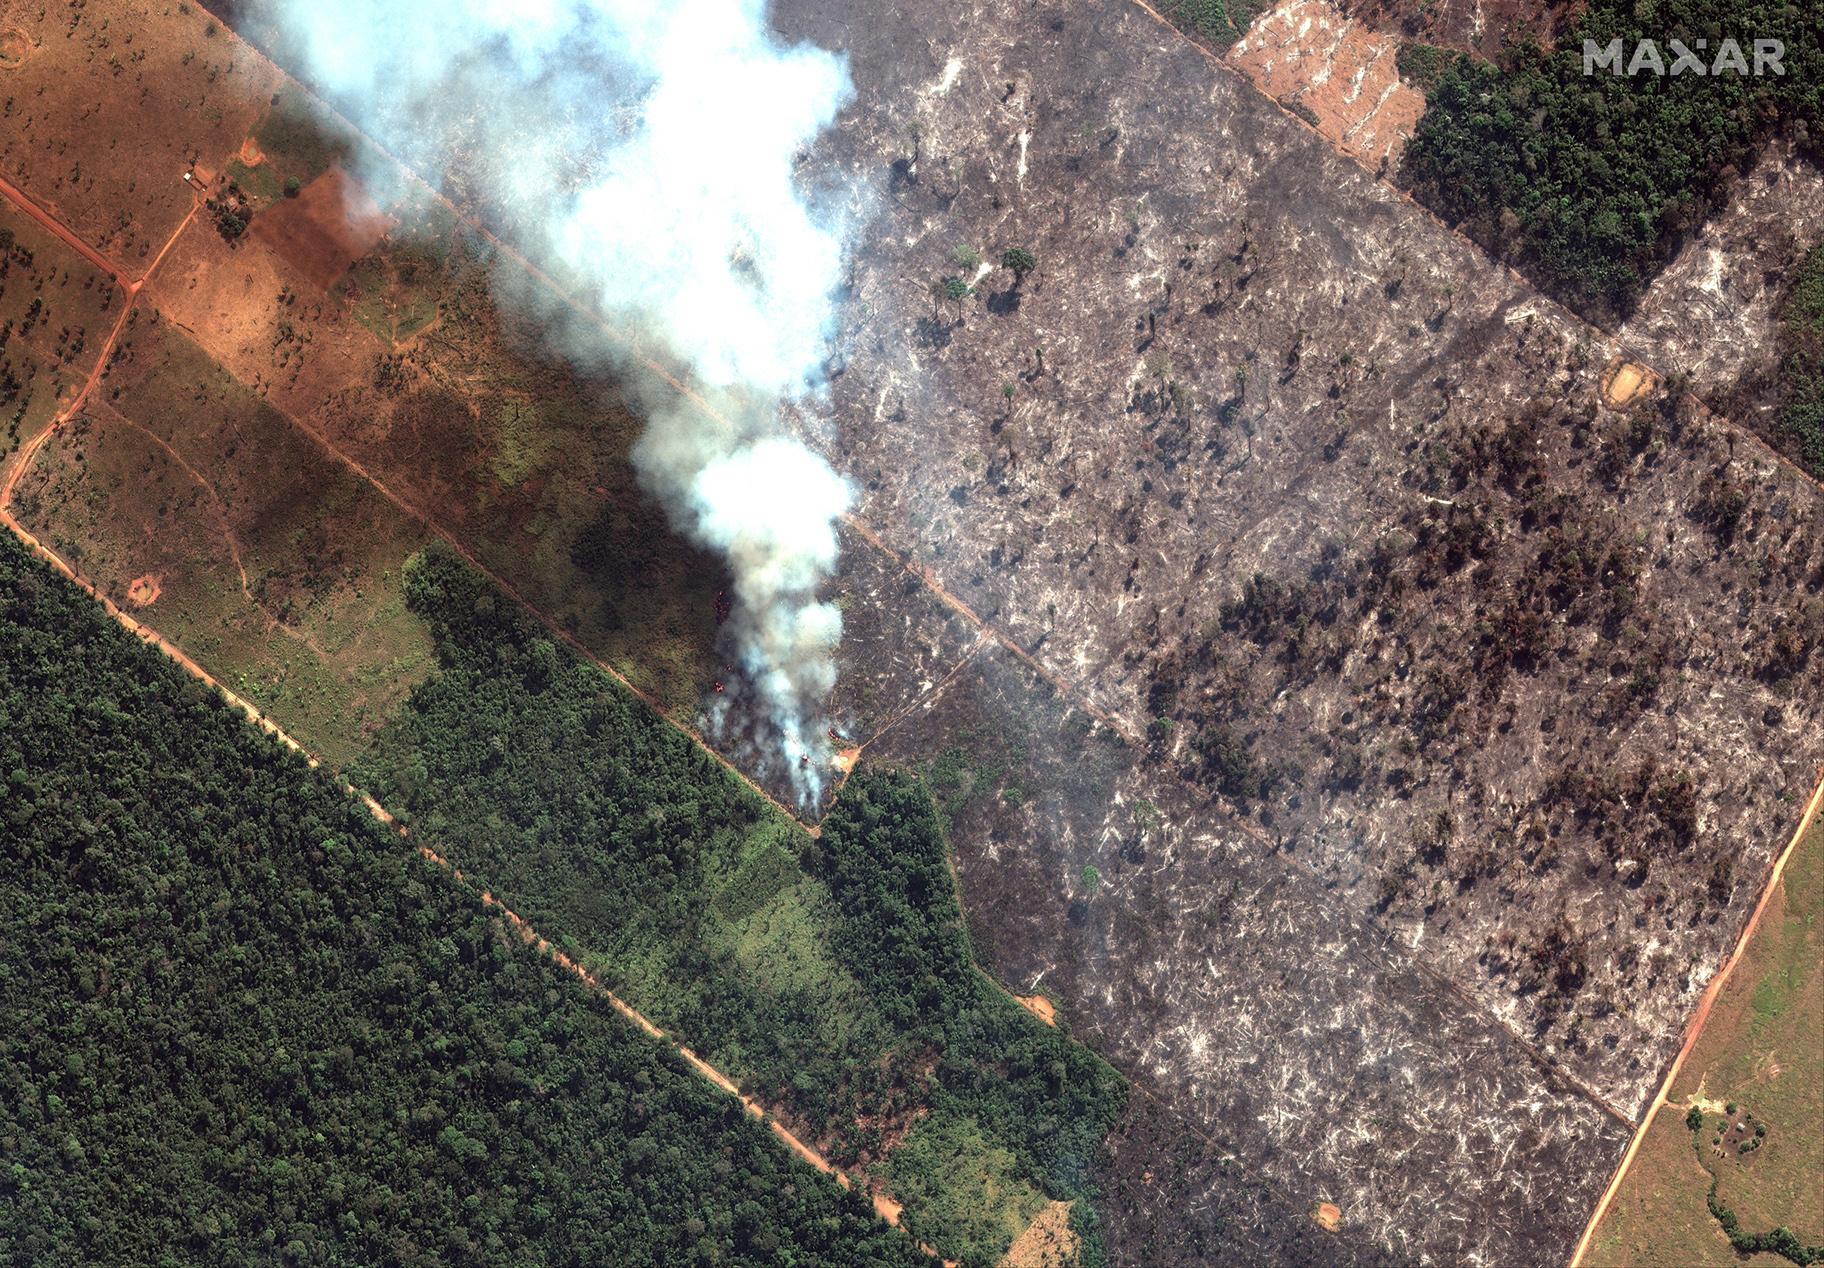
[
  {"x": 884, "y": 1206},
  {"x": 1702, "y": 1015},
  {"x": 20, "y": 199}
]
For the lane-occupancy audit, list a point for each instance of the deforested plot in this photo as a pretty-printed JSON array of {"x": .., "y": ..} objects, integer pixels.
[
  {"x": 1349, "y": 692},
  {"x": 831, "y": 976},
  {"x": 246, "y": 1021}
]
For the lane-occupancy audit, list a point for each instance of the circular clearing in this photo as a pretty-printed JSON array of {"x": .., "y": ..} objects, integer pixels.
[
  {"x": 143, "y": 591},
  {"x": 15, "y": 47}
]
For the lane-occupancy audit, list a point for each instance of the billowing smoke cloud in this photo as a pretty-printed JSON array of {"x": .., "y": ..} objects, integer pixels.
[{"x": 646, "y": 151}]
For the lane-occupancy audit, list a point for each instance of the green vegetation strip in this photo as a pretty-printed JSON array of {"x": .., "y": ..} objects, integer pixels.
[
  {"x": 1221, "y": 22},
  {"x": 246, "y": 1026},
  {"x": 832, "y": 977},
  {"x": 1588, "y": 182},
  {"x": 1801, "y": 422}
]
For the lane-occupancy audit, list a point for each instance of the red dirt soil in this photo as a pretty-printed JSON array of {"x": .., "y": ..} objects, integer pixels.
[
  {"x": 143, "y": 591},
  {"x": 1309, "y": 57},
  {"x": 330, "y": 224}
]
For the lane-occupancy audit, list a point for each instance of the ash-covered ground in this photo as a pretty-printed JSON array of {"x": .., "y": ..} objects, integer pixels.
[{"x": 1465, "y": 711}]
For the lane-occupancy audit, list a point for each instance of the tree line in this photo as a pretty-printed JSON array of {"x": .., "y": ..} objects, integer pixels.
[
  {"x": 247, "y": 1025},
  {"x": 832, "y": 977},
  {"x": 1588, "y": 182}
]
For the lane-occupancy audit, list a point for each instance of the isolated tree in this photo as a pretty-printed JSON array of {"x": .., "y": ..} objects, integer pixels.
[
  {"x": 956, "y": 290},
  {"x": 1020, "y": 260}
]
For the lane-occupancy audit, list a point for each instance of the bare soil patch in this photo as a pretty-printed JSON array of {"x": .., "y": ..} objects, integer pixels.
[
  {"x": 1336, "y": 74},
  {"x": 15, "y": 47},
  {"x": 250, "y": 152},
  {"x": 330, "y": 224},
  {"x": 1328, "y": 1216},
  {"x": 1048, "y": 1241},
  {"x": 143, "y": 590},
  {"x": 1625, "y": 382},
  {"x": 1039, "y": 1007}
]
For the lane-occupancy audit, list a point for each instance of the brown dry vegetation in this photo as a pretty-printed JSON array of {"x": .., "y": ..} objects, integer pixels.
[
  {"x": 120, "y": 99},
  {"x": 55, "y": 310},
  {"x": 329, "y": 225},
  {"x": 1047, "y": 1242},
  {"x": 278, "y": 569}
]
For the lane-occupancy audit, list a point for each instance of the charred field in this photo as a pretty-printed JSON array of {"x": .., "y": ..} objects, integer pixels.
[
  {"x": 1369, "y": 735},
  {"x": 1324, "y": 513}
]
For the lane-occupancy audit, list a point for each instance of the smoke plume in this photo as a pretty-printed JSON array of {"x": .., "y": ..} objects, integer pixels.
[{"x": 645, "y": 153}]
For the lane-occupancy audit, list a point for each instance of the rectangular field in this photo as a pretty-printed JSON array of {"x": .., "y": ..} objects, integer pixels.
[{"x": 185, "y": 499}]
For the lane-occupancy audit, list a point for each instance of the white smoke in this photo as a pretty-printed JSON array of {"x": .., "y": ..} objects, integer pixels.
[{"x": 646, "y": 151}]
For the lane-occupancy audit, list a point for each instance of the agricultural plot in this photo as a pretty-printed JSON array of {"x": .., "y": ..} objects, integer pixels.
[
  {"x": 109, "y": 106},
  {"x": 1740, "y": 1125},
  {"x": 383, "y": 335},
  {"x": 55, "y": 307},
  {"x": 186, "y": 499}
]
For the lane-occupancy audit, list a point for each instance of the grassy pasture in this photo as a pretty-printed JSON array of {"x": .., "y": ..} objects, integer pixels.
[
  {"x": 277, "y": 568},
  {"x": 1762, "y": 1051}
]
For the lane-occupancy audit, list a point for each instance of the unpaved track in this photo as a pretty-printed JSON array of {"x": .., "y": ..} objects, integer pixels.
[
  {"x": 23, "y": 201},
  {"x": 29, "y": 451},
  {"x": 926, "y": 576},
  {"x": 884, "y": 1206},
  {"x": 1702, "y": 1015}
]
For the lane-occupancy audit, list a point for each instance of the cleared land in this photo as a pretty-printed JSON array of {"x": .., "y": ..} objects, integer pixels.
[
  {"x": 1271, "y": 496},
  {"x": 56, "y": 308},
  {"x": 1756, "y": 1076},
  {"x": 275, "y": 566},
  {"x": 1338, "y": 75}
]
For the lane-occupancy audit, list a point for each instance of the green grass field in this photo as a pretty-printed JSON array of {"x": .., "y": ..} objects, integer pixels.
[{"x": 184, "y": 476}]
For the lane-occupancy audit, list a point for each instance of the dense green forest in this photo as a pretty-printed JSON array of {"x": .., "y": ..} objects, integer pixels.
[
  {"x": 1801, "y": 414},
  {"x": 831, "y": 976},
  {"x": 246, "y": 1025},
  {"x": 1587, "y": 183}
]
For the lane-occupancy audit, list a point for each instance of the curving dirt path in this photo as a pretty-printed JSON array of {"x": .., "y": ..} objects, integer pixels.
[{"x": 224, "y": 523}]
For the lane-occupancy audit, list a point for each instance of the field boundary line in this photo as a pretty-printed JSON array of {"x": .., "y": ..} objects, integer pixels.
[
  {"x": 883, "y": 1206},
  {"x": 1537, "y": 295},
  {"x": 1696, "y": 1026},
  {"x": 923, "y": 573}
]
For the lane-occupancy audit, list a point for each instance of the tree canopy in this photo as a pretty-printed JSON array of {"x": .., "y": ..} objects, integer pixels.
[{"x": 247, "y": 1025}]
